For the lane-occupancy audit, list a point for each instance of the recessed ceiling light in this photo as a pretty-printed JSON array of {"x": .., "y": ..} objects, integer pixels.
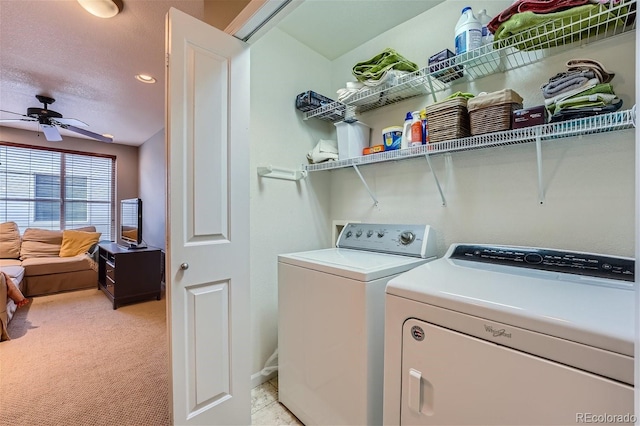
[
  {"x": 102, "y": 8},
  {"x": 145, "y": 78},
  {"x": 107, "y": 135}
]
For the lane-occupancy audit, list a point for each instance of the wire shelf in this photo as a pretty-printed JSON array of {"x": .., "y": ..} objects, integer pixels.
[
  {"x": 615, "y": 121},
  {"x": 526, "y": 47}
]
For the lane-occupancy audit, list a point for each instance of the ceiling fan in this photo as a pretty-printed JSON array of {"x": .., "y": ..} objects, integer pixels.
[{"x": 49, "y": 119}]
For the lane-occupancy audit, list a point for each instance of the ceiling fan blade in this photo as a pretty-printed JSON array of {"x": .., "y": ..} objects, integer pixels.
[
  {"x": 11, "y": 112},
  {"x": 93, "y": 135},
  {"x": 15, "y": 120},
  {"x": 69, "y": 121},
  {"x": 51, "y": 133}
]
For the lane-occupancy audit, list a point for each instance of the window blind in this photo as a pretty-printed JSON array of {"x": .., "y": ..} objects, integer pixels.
[{"x": 52, "y": 189}]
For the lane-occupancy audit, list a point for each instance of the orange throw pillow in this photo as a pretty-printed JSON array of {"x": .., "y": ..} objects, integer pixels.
[{"x": 77, "y": 242}]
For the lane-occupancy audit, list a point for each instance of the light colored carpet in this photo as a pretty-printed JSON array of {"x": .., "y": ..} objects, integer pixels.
[{"x": 73, "y": 360}]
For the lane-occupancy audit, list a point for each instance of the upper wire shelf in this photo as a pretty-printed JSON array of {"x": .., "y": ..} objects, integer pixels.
[
  {"x": 620, "y": 120},
  {"x": 517, "y": 50}
]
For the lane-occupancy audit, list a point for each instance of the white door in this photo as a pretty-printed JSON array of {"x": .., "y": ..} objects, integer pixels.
[
  {"x": 207, "y": 128},
  {"x": 451, "y": 378}
]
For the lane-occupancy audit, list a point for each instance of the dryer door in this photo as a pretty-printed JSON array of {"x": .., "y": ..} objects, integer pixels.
[{"x": 451, "y": 378}]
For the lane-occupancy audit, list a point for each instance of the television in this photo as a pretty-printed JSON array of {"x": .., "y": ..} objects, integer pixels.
[{"x": 131, "y": 222}]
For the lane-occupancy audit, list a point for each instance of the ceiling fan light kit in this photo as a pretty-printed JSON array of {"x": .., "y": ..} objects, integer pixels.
[
  {"x": 102, "y": 8},
  {"x": 50, "y": 120}
]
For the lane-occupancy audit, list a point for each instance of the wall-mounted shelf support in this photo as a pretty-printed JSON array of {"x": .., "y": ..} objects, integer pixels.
[
  {"x": 371, "y": 194},
  {"x": 433, "y": 172},
  {"x": 539, "y": 158},
  {"x": 281, "y": 173}
]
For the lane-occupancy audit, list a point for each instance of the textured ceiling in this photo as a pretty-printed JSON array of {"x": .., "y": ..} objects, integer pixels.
[
  {"x": 333, "y": 28},
  {"x": 55, "y": 48},
  {"x": 87, "y": 64}
]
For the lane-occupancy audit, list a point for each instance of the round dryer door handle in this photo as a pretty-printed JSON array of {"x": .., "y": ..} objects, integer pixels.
[{"x": 184, "y": 266}]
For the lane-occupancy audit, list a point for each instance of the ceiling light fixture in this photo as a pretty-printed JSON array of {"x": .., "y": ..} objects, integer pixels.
[
  {"x": 102, "y": 8},
  {"x": 145, "y": 78}
]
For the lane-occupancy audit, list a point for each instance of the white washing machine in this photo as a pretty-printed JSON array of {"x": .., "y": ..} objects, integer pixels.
[
  {"x": 331, "y": 321},
  {"x": 495, "y": 335}
]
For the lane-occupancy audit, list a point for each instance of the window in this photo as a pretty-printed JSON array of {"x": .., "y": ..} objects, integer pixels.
[{"x": 42, "y": 188}]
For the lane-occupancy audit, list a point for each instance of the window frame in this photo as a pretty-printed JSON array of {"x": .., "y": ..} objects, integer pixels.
[{"x": 63, "y": 184}]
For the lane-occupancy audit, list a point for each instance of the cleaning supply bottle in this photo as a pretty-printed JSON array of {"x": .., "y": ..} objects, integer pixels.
[
  {"x": 468, "y": 32},
  {"x": 416, "y": 129},
  {"x": 487, "y": 36},
  {"x": 425, "y": 126},
  {"x": 406, "y": 131}
]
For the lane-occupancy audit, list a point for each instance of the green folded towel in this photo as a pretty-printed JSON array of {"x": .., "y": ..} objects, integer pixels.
[
  {"x": 554, "y": 28},
  {"x": 602, "y": 88},
  {"x": 376, "y": 67},
  {"x": 460, "y": 95}
]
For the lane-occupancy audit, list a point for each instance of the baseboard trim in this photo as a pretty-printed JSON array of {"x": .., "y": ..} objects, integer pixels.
[{"x": 258, "y": 378}]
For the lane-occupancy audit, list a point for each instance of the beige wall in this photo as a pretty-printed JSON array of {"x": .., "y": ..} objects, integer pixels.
[
  {"x": 126, "y": 156},
  {"x": 492, "y": 194},
  {"x": 153, "y": 177}
]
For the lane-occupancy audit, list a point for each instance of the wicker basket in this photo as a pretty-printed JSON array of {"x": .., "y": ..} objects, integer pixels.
[
  {"x": 448, "y": 120},
  {"x": 491, "y": 112},
  {"x": 492, "y": 119}
]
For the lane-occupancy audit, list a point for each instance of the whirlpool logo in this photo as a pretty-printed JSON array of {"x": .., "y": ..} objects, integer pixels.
[{"x": 497, "y": 333}]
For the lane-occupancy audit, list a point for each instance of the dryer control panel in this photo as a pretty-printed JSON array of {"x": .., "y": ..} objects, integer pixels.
[
  {"x": 589, "y": 264},
  {"x": 406, "y": 240}
]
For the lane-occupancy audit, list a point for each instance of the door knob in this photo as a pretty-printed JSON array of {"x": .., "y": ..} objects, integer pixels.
[{"x": 184, "y": 266}]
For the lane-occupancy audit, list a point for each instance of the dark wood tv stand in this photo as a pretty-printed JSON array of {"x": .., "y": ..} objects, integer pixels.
[{"x": 129, "y": 275}]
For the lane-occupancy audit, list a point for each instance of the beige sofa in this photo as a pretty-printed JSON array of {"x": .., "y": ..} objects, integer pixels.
[{"x": 50, "y": 261}]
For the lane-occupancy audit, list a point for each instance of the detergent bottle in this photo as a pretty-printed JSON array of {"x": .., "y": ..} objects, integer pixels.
[
  {"x": 468, "y": 34},
  {"x": 405, "y": 142},
  {"x": 416, "y": 129}
]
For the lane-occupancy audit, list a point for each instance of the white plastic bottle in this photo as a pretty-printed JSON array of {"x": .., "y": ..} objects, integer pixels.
[
  {"x": 405, "y": 142},
  {"x": 487, "y": 37},
  {"x": 468, "y": 32}
]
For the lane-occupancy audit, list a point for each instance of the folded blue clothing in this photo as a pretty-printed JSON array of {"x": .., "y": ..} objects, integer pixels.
[{"x": 566, "y": 82}]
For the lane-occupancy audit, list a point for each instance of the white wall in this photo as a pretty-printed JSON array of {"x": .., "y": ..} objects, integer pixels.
[
  {"x": 492, "y": 194},
  {"x": 153, "y": 177},
  {"x": 286, "y": 216}
]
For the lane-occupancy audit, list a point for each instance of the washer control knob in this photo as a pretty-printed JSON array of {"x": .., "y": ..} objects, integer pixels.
[
  {"x": 407, "y": 237},
  {"x": 349, "y": 234},
  {"x": 358, "y": 233},
  {"x": 369, "y": 233},
  {"x": 380, "y": 234}
]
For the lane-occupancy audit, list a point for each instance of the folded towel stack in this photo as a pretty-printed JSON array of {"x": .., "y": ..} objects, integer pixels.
[
  {"x": 535, "y": 6},
  {"x": 530, "y": 25},
  {"x": 583, "y": 90},
  {"x": 378, "y": 66}
]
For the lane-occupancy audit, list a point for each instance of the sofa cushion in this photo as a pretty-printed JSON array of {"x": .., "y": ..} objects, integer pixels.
[
  {"x": 15, "y": 272},
  {"x": 9, "y": 262},
  {"x": 9, "y": 240},
  {"x": 77, "y": 242},
  {"x": 55, "y": 265},
  {"x": 40, "y": 243}
]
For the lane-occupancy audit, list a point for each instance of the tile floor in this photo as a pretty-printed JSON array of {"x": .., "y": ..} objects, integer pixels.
[{"x": 265, "y": 408}]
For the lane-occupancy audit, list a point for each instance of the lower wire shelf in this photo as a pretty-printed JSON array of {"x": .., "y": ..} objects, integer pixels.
[{"x": 615, "y": 121}]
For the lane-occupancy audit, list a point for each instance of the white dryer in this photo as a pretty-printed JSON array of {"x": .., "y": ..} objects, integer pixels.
[
  {"x": 497, "y": 335},
  {"x": 331, "y": 321}
]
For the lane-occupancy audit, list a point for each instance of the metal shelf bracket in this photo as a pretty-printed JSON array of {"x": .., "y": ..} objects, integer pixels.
[
  {"x": 371, "y": 194},
  {"x": 281, "y": 173},
  {"x": 539, "y": 160},
  {"x": 444, "y": 202}
]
